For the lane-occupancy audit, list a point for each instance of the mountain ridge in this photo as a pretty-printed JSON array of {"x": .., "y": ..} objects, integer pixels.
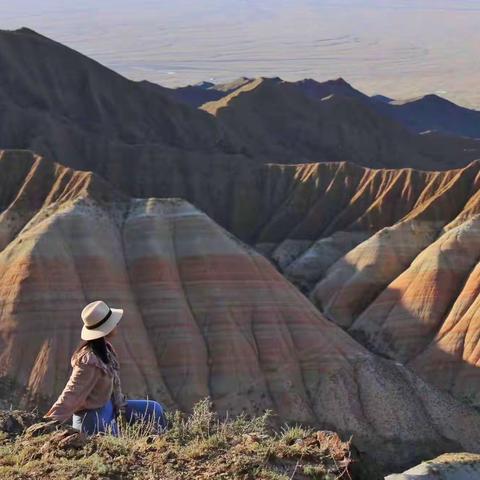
[
  {"x": 426, "y": 113},
  {"x": 72, "y": 109}
]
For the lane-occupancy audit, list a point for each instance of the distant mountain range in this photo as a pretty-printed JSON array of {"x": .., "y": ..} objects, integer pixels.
[
  {"x": 430, "y": 113},
  {"x": 70, "y": 108}
]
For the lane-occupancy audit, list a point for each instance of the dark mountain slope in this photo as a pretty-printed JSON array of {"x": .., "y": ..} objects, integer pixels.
[{"x": 45, "y": 81}]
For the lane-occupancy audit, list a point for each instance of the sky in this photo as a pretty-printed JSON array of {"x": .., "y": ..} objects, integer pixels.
[{"x": 400, "y": 48}]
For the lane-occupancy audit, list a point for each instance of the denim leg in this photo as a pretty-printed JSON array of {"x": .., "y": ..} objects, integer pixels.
[
  {"x": 95, "y": 421},
  {"x": 145, "y": 410}
]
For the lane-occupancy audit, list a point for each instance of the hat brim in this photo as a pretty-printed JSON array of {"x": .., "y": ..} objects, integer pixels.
[{"x": 104, "y": 329}]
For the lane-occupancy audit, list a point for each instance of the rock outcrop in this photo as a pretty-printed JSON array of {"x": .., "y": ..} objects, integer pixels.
[
  {"x": 205, "y": 315},
  {"x": 460, "y": 466}
]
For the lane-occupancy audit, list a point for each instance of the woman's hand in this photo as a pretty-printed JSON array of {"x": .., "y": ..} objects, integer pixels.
[{"x": 52, "y": 421}]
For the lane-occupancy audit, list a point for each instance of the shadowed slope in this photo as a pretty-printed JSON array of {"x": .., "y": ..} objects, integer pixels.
[
  {"x": 64, "y": 105},
  {"x": 42, "y": 78},
  {"x": 205, "y": 315},
  {"x": 320, "y": 90}
]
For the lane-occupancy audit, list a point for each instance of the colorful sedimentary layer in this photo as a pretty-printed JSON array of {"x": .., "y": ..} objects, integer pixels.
[
  {"x": 205, "y": 315},
  {"x": 410, "y": 291}
]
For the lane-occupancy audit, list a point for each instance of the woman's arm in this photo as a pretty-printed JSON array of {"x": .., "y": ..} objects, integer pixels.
[{"x": 81, "y": 382}]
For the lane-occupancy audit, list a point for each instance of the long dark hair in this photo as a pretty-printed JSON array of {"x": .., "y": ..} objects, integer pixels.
[{"x": 98, "y": 346}]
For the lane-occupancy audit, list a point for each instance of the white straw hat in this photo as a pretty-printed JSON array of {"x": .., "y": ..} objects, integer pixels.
[{"x": 99, "y": 320}]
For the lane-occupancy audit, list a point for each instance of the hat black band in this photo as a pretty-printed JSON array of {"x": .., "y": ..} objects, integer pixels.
[{"x": 101, "y": 322}]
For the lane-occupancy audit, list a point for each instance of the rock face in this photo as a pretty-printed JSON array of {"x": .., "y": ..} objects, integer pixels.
[
  {"x": 391, "y": 255},
  {"x": 205, "y": 315}
]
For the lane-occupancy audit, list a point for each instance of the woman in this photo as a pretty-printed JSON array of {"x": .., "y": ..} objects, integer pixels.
[{"x": 93, "y": 394}]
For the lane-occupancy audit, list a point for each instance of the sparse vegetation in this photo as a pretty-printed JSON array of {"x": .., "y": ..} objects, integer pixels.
[{"x": 197, "y": 446}]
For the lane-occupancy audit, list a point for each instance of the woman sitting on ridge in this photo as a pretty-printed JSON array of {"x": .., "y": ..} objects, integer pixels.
[{"x": 93, "y": 394}]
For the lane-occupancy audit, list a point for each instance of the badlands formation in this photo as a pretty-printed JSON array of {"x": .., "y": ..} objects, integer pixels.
[
  {"x": 205, "y": 315},
  {"x": 354, "y": 279},
  {"x": 393, "y": 257}
]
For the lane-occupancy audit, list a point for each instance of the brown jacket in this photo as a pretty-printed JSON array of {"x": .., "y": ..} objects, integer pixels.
[{"x": 92, "y": 383}]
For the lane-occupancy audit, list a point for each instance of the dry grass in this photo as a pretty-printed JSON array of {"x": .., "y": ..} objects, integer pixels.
[{"x": 197, "y": 446}]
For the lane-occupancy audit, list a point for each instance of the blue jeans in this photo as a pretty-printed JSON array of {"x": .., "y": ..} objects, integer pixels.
[{"x": 103, "y": 418}]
